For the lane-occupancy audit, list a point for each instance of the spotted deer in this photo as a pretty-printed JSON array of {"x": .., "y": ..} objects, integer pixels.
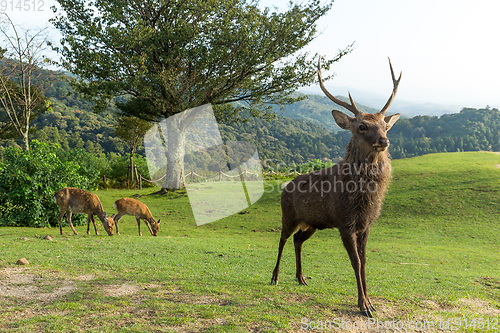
[
  {"x": 77, "y": 201},
  {"x": 347, "y": 196},
  {"x": 129, "y": 206}
]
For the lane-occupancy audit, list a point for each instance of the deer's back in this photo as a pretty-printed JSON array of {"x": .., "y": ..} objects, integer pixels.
[
  {"x": 77, "y": 200},
  {"x": 132, "y": 207}
]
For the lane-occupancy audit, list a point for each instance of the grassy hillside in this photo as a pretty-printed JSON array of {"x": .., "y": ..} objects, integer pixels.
[{"x": 432, "y": 256}]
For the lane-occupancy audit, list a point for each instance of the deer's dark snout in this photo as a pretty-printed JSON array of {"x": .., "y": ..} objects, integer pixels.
[{"x": 384, "y": 142}]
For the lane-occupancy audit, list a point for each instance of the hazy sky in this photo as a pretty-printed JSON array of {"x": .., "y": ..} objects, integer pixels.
[{"x": 448, "y": 50}]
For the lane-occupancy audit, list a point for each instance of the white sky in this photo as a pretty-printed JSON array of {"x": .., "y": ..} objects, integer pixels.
[{"x": 448, "y": 50}]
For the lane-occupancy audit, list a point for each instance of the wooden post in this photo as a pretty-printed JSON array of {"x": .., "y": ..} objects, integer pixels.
[
  {"x": 136, "y": 173},
  {"x": 192, "y": 176},
  {"x": 140, "y": 182},
  {"x": 220, "y": 174}
]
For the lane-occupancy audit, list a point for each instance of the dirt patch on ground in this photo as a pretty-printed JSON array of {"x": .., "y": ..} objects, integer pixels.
[
  {"x": 22, "y": 283},
  {"x": 28, "y": 284},
  {"x": 126, "y": 289}
]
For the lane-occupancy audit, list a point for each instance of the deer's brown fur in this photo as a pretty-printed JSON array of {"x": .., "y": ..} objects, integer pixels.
[
  {"x": 129, "y": 206},
  {"x": 77, "y": 201},
  {"x": 347, "y": 196}
]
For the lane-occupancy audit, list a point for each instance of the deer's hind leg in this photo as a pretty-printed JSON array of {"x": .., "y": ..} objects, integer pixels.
[
  {"x": 298, "y": 239},
  {"x": 59, "y": 218},
  {"x": 116, "y": 219},
  {"x": 68, "y": 219},
  {"x": 286, "y": 232}
]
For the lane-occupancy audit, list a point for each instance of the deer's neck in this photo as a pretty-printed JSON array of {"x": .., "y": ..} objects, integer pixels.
[{"x": 374, "y": 166}]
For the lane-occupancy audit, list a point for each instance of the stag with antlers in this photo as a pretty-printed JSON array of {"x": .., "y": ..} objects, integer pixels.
[{"x": 347, "y": 196}]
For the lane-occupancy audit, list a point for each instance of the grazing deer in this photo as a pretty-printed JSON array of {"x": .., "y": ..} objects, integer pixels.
[
  {"x": 129, "y": 206},
  {"x": 347, "y": 196},
  {"x": 74, "y": 200}
]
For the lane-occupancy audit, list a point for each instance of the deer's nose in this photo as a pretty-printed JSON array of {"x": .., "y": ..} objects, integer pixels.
[{"x": 383, "y": 142}]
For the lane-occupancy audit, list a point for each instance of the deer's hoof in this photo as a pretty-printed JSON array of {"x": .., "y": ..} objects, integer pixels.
[
  {"x": 367, "y": 313},
  {"x": 274, "y": 282},
  {"x": 302, "y": 281}
]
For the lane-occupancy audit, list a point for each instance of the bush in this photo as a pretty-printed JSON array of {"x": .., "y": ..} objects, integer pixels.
[
  {"x": 120, "y": 168},
  {"x": 29, "y": 180}
]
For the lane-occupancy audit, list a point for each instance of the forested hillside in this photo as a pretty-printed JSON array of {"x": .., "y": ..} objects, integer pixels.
[
  {"x": 469, "y": 130},
  {"x": 287, "y": 139}
]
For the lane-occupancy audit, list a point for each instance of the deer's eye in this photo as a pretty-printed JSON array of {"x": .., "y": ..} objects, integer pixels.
[{"x": 362, "y": 128}]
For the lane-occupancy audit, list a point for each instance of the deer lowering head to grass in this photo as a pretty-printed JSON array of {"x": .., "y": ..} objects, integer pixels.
[
  {"x": 347, "y": 196},
  {"x": 77, "y": 201},
  {"x": 129, "y": 206}
]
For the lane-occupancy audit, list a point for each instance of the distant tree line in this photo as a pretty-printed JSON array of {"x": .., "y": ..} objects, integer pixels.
[{"x": 470, "y": 130}]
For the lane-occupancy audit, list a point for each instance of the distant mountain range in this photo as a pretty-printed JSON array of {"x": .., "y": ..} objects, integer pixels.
[{"x": 375, "y": 102}]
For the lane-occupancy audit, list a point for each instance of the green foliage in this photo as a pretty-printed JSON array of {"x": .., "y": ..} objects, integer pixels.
[
  {"x": 131, "y": 130},
  {"x": 89, "y": 165},
  {"x": 218, "y": 52},
  {"x": 120, "y": 166},
  {"x": 29, "y": 180}
]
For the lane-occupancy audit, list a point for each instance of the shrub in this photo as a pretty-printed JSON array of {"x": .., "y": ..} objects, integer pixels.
[{"x": 29, "y": 180}]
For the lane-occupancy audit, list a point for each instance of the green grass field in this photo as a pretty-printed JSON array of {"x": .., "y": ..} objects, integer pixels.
[{"x": 433, "y": 259}]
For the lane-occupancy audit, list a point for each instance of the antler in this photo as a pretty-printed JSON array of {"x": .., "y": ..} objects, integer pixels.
[
  {"x": 394, "y": 90},
  {"x": 351, "y": 107}
]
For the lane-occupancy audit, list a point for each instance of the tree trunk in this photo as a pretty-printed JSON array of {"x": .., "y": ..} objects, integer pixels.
[
  {"x": 26, "y": 141},
  {"x": 131, "y": 169},
  {"x": 175, "y": 156}
]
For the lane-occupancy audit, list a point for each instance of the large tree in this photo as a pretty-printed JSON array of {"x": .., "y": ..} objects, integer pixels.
[{"x": 167, "y": 56}]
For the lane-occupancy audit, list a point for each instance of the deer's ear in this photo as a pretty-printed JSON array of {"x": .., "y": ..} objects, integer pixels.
[
  {"x": 343, "y": 120},
  {"x": 390, "y": 120}
]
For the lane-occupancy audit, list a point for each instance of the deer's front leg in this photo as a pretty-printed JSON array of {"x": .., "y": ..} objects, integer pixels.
[
  {"x": 350, "y": 243},
  {"x": 95, "y": 227},
  {"x": 362, "y": 240},
  {"x": 139, "y": 225},
  {"x": 149, "y": 226}
]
